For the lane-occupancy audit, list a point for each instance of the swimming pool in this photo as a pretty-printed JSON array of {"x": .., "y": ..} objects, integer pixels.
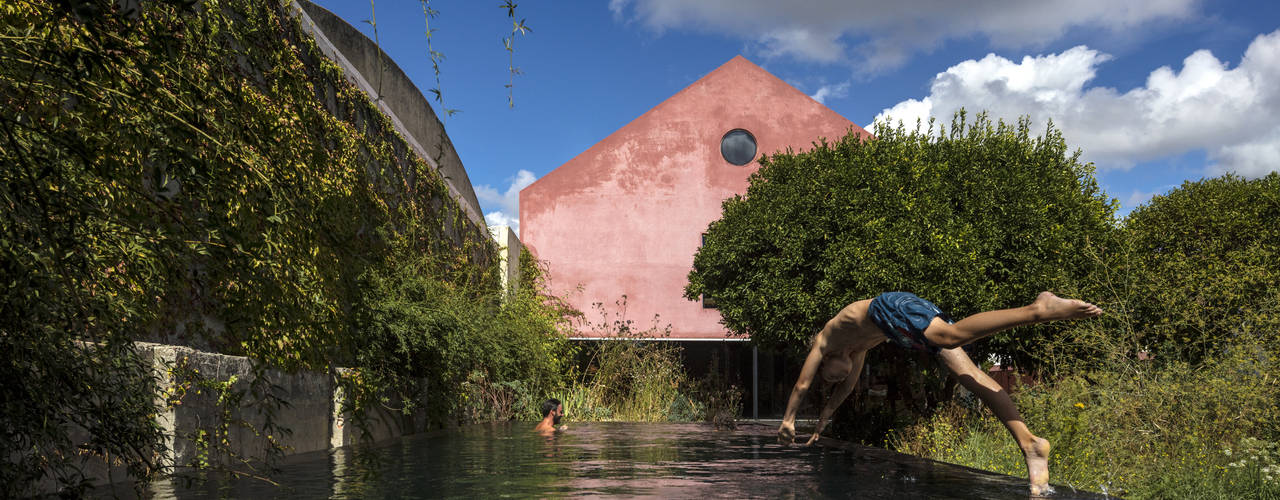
[{"x": 611, "y": 459}]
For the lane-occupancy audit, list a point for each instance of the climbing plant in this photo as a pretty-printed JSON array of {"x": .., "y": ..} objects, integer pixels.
[{"x": 198, "y": 173}]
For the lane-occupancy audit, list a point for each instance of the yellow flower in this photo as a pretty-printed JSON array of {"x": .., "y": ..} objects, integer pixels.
[{"x": 1079, "y": 405}]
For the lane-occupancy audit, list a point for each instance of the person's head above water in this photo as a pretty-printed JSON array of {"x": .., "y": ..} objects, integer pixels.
[{"x": 553, "y": 407}]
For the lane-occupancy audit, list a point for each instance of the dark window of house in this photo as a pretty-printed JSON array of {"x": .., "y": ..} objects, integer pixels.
[{"x": 738, "y": 147}]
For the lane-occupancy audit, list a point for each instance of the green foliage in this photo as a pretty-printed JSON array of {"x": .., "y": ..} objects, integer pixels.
[
  {"x": 1203, "y": 262},
  {"x": 199, "y": 173},
  {"x": 192, "y": 177},
  {"x": 481, "y": 358},
  {"x": 1155, "y": 399},
  {"x": 638, "y": 377},
  {"x": 1153, "y": 431},
  {"x": 635, "y": 377},
  {"x": 64, "y": 404},
  {"x": 983, "y": 217},
  {"x": 1190, "y": 284}
]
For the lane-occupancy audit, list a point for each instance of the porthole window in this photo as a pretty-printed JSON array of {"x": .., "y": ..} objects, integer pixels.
[{"x": 738, "y": 147}]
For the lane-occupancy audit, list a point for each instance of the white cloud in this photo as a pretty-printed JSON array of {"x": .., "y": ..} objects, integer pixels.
[
  {"x": 837, "y": 91},
  {"x": 1250, "y": 159},
  {"x": 802, "y": 43},
  {"x": 494, "y": 219},
  {"x": 508, "y": 202},
  {"x": 881, "y": 35},
  {"x": 1228, "y": 112}
]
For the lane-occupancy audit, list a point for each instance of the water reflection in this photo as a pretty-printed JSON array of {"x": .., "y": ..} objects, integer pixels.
[{"x": 607, "y": 459}]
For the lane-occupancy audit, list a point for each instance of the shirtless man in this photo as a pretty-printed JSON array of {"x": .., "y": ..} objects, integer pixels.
[
  {"x": 909, "y": 321},
  {"x": 552, "y": 412}
]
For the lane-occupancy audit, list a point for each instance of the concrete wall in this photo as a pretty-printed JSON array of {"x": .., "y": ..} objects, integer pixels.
[
  {"x": 311, "y": 418},
  {"x": 626, "y": 215},
  {"x": 309, "y": 398},
  {"x": 312, "y": 413},
  {"x": 379, "y": 424},
  {"x": 509, "y": 254},
  {"x": 371, "y": 70}
]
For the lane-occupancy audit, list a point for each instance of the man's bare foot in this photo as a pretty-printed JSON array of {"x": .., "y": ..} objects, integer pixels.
[
  {"x": 1052, "y": 307},
  {"x": 1037, "y": 456}
]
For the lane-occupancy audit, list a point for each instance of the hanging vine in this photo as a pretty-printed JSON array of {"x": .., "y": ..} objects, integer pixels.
[{"x": 199, "y": 173}]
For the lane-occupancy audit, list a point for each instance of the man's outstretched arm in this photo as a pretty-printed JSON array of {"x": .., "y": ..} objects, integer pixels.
[
  {"x": 787, "y": 431},
  {"x": 838, "y": 396}
]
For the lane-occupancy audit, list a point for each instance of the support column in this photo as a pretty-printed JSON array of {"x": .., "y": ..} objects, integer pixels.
[{"x": 755, "y": 383}]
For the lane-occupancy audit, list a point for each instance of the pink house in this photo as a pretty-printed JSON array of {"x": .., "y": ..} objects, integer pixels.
[{"x": 626, "y": 215}]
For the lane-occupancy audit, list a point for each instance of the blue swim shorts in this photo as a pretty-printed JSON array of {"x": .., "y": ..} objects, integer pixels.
[{"x": 903, "y": 317}]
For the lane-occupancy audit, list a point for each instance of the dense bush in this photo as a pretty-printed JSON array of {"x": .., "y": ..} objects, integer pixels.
[
  {"x": 501, "y": 354},
  {"x": 1172, "y": 393},
  {"x": 1204, "y": 265},
  {"x": 981, "y": 217}
]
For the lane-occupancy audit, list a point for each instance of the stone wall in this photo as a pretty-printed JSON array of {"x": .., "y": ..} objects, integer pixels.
[
  {"x": 301, "y": 421},
  {"x": 200, "y": 391}
]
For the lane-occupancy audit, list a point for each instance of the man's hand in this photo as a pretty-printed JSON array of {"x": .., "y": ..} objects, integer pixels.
[{"x": 787, "y": 433}]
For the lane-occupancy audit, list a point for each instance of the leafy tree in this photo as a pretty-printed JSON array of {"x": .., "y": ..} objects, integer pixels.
[
  {"x": 983, "y": 216},
  {"x": 1203, "y": 263}
]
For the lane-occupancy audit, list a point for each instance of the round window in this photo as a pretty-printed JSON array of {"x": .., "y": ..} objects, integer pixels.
[{"x": 738, "y": 147}]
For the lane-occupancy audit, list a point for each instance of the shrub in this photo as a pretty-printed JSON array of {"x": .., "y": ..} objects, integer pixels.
[
  {"x": 1151, "y": 430},
  {"x": 481, "y": 357},
  {"x": 1171, "y": 393},
  {"x": 983, "y": 217},
  {"x": 636, "y": 376},
  {"x": 1202, "y": 264}
]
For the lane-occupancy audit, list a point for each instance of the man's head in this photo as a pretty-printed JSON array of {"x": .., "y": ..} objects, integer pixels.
[
  {"x": 553, "y": 407},
  {"x": 836, "y": 367}
]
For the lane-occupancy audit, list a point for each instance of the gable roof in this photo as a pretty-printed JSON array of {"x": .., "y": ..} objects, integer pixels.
[{"x": 738, "y": 83}]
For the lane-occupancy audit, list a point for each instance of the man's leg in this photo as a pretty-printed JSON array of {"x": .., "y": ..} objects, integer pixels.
[
  {"x": 1047, "y": 307},
  {"x": 1034, "y": 449}
]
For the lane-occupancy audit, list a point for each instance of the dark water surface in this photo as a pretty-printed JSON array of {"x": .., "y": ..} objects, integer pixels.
[{"x": 612, "y": 459}]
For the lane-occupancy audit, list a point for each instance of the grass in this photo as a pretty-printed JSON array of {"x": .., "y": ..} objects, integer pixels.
[
  {"x": 1144, "y": 430},
  {"x": 637, "y": 378}
]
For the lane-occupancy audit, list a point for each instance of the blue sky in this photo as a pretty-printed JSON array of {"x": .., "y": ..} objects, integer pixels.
[{"x": 1154, "y": 92}]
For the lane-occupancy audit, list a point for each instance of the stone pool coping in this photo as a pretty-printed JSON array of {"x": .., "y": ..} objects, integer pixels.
[{"x": 770, "y": 427}]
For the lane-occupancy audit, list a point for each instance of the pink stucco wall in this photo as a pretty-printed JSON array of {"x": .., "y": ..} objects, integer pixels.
[{"x": 626, "y": 215}]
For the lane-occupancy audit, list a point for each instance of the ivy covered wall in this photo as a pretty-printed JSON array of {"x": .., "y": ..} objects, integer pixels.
[{"x": 199, "y": 173}]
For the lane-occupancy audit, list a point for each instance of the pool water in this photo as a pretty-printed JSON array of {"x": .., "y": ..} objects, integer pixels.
[{"x": 610, "y": 459}]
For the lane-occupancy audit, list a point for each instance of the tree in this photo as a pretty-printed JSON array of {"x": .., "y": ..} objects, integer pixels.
[
  {"x": 1203, "y": 263},
  {"x": 982, "y": 217}
]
